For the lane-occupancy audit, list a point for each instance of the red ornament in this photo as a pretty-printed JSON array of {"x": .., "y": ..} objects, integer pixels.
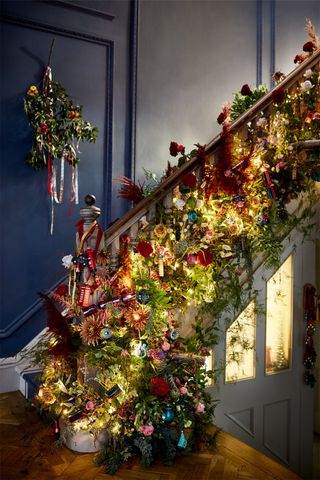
[
  {"x": 144, "y": 248},
  {"x": 204, "y": 258},
  {"x": 159, "y": 387},
  {"x": 91, "y": 260},
  {"x": 84, "y": 296}
]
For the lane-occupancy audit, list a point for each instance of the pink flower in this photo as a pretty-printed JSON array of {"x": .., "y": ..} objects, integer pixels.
[
  {"x": 200, "y": 407},
  {"x": 165, "y": 346},
  {"x": 183, "y": 390},
  {"x": 90, "y": 405},
  {"x": 191, "y": 259},
  {"x": 147, "y": 430}
]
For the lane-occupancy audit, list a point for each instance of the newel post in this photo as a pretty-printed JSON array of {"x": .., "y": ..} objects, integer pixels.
[{"x": 89, "y": 215}]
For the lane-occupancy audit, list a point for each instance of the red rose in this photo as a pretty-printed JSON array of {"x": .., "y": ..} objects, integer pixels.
[
  {"x": 246, "y": 90},
  {"x": 299, "y": 59},
  {"x": 204, "y": 258},
  {"x": 189, "y": 180},
  {"x": 61, "y": 290},
  {"x": 175, "y": 149},
  {"x": 144, "y": 248},
  {"x": 221, "y": 118},
  {"x": 159, "y": 387},
  {"x": 278, "y": 95},
  {"x": 309, "y": 47}
]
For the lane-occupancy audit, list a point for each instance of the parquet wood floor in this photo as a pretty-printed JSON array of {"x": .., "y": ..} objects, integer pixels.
[{"x": 27, "y": 452}]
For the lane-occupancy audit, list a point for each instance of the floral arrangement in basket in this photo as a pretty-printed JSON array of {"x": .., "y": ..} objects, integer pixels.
[{"x": 128, "y": 350}]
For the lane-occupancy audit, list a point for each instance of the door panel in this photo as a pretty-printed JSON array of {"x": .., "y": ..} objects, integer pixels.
[{"x": 273, "y": 412}]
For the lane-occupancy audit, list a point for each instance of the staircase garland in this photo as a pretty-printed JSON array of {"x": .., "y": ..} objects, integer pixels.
[{"x": 123, "y": 354}]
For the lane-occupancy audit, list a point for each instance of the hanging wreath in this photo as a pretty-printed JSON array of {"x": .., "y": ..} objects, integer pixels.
[
  {"x": 58, "y": 130},
  {"x": 58, "y": 124}
]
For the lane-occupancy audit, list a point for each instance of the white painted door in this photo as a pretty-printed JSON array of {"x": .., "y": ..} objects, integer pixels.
[{"x": 274, "y": 412}]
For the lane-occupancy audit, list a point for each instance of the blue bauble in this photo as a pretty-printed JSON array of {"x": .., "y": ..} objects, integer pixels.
[
  {"x": 237, "y": 198},
  {"x": 143, "y": 296},
  {"x": 173, "y": 335},
  {"x": 106, "y": 333},
  {"x": 168, "y": 414},
  {"x": 192, "y": 216}
]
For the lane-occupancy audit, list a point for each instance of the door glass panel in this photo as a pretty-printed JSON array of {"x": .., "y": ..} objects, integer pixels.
[
  {"x": 240, "y": 346},
  {"x": 279, "y": 319}
]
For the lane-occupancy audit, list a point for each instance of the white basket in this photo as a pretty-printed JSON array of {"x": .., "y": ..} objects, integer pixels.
[{"x": 82, "y": 441}]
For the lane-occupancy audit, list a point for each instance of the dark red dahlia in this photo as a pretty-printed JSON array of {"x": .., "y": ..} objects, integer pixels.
[
  {"x": 204, "y": 258},
  {"x": 246, "y": 90},
  {"x": 221, "y": 118},
  {"x": 299, "y": 59},
  {"x": 189, "y": 180},
  {"x": 278, "y": 95},
  {"x": 159, "y": 387},
  {"x": 144, "y": 248},
  {"x": 309, "y": 47}
]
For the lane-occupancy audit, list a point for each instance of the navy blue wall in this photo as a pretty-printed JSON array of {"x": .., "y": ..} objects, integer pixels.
[{"x": 93, "y": 60}]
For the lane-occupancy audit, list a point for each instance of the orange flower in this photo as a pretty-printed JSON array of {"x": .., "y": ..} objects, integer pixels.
[
  {"x": 136, "y": 318},
  {"x": 73, "y": 114},
  {"x": 33, "y": 91}
]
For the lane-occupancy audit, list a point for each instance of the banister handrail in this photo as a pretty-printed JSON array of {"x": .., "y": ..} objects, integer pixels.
[{"x": 139, "y": 210}]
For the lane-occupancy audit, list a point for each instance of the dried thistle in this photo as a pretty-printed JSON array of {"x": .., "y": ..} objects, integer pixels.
[{"x": 311, "y": 33}]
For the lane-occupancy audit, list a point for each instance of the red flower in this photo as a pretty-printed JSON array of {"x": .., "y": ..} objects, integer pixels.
[
  {"x": 144, "y": 248},
  {"x": 159, "y": 387},
  {"x": 204, "y": 258},
  {"x": 175, "y": 149},
  {"x": 61, "y": 290},
  {"x": 221, "y": 118},
  {"x": 309, "y": 47},
  {"x": 246, "y": 90},
  {"x": 189, "y": 180},
  {"x": 299, "y": 59},
  {"x": 278, "y": 95},
  {"x": 44, "y": 128}
]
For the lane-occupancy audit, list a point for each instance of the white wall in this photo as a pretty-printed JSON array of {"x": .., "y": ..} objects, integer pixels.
[{"x": 194, "y": 54}]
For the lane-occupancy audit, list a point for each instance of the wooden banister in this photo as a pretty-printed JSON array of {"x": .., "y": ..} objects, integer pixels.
[{"x": 133, "y": 215}]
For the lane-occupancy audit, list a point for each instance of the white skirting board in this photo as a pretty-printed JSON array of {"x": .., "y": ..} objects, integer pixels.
[{"x": 12, "y": 369}]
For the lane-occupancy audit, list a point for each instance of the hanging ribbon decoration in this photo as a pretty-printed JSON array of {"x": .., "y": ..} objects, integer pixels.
[
  {"x": 52, "y": 161},
  {"x": 58, "y": 130},
  {"x": 270, "y": 189},
  {"x": 310, "y": 317}
]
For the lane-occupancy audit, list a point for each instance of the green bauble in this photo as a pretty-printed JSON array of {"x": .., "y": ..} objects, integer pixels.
[{"x": 316, "y": 175}]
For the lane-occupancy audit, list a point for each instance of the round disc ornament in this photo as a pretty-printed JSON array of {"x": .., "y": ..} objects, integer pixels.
[
  {"x": 143, "y": 296},
  {"x": 168, "y": 414},
  {"x": 106, "y": 333},
  {"x": 192, "y": 216}
]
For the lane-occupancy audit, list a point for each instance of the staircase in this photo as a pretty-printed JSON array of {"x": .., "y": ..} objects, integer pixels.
[
  {"x": 129, "y": 223},
  {"x": 162, "y": 197}
]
